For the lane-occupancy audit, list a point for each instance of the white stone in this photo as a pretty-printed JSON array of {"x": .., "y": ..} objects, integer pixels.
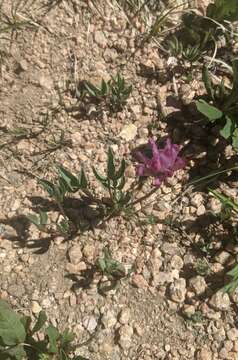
[
  {"x": 178, "y": 290},
  {"x": 128, "y": 132},
  {"x": 125, "y": 315},
  {"x": 198, "y": 284},
  {"x": 75, "y": 254},
  {"x": 220, "y": 301},
  {"x": 35, "y": 307}
]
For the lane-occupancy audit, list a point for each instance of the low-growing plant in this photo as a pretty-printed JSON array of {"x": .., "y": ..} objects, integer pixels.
[
  {"x": 112, "y": 94},
  {"x": 198, "y": 31},
  {"x": 160, "y": 164},
  {"x": 12, "y": 22},
  {"x": 113, "y": 269},
  {"x": 224, "y": 107},
  {"x": 185, "y": 51},
  {"x": 196, "y": 318},
  {"x": 202, "y": 267},
  {"x": 19, "y": 338},
  {"x": 223, "y": 10}
]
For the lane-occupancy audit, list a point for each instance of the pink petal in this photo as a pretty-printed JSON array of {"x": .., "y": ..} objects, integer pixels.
[
  {"x": 157, "y": 182},
  {"x": 142, "y": 158},
  {"x": 140, "y": 169},
  {"x": 171, "y": 151},
  {"x": 153, "y": 145},
  {"x": 179, "y": 164}
]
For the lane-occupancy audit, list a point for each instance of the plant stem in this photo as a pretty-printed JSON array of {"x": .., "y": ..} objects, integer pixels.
[
  {"x": 62, "y": 210},
  {"x": 110, "y": 190}
]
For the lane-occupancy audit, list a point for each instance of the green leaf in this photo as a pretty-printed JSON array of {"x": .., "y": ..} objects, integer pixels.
[
  {"x": 121, "y": 170},
  {"x": 235, "y": 139},
  {"x": 53, "y": 335},
  {"x": 34, "y": 219},
  {"x": 26, "y": 322},
  {"x": 67, "y": 338},
  {"x": 104, "y": 88},
  {"x": 231, "y": 287},
  {"x": 121, "y": 185},
  {"x": 48, "y": 186},
  {"x": 64, "y": 226},
  {"x": 101, "y": 264},
  {"x": 79, "y": 358},
  {"x": 12, "y": 331},
  {"x": 43, "y": 218},
  {"x": 64, "y": 187},
  {"x": 91, "y": 89},
  {"x": 100, "y": 178},
  {"x": 110, "y": 164},
  {"x": 83, "y": 182},
  {"x": 227, "y": 130},
  {"x": 211, "y": 112},
  {"x": 40, "y": 322},
  {"x": 225, "y": 200},
  {"x": 69, "y": 178},
  {"x": 58, "y": 194},
  {"x": 39, "y": 221},
  {"x": 233, "y": 97},
  {"x": 223, "y": 10}
]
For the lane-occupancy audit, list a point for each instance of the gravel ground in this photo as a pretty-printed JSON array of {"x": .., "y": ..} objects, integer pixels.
[{"x": 172, "y": 306}]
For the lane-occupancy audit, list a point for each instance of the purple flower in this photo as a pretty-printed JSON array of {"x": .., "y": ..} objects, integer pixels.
[{"x": 163, "y": 164}]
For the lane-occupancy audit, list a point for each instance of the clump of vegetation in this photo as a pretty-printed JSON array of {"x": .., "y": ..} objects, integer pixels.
[
  {"x": 13, "y": 21},
  {"x": 111, "y": 94},
  {"x": 199, "y": 32},
  {"x": 109, "y": 267},
  {"x": 19, "y": 338},
  {"x": 186, "y": 52},
  {"x": 202, "y": 267},
  {"x": 224, "y": 107},
  {"x": 162, "y": 165},
  {"x": 112, "y": 269}
]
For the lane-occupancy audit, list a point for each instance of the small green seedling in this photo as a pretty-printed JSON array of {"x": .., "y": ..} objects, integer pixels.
[
  {"x": 19, "y": 338},
  {"x": 68, "y": 183},
  {"x": 114, "y": 182},
  {"x": 112, "y": 94},
  {"x": 196, "y": 318},
  {"x": 119, "y": 92},
  {"x": 202, "y": 267},
  {"x": 113, "y": 269},
  {"x": 40, "y": 221},
  {"x": 185, "y": 51},
  {"x": 199, "y": 32}
]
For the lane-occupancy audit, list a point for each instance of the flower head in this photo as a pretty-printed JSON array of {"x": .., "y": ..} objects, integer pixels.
[{"x": 162, "y": 164}]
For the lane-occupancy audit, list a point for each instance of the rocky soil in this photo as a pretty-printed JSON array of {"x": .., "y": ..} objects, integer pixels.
[{"x": 172, "y": 305}]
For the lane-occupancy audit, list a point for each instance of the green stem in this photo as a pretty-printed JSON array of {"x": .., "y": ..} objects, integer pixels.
[
  {"x": 110, "y": 190},
  {"x": 211, "y": 175}
]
